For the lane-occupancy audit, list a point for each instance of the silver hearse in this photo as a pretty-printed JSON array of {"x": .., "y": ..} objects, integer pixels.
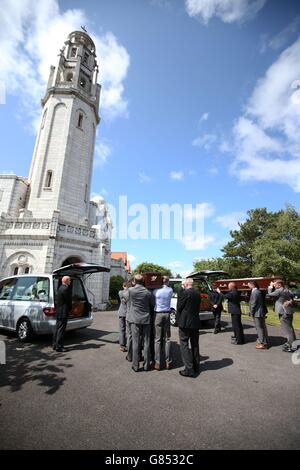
[{"x": 27, "y": 302}]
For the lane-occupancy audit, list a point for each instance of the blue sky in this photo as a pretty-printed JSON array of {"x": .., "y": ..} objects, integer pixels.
[{"x": 200, "y": 105}]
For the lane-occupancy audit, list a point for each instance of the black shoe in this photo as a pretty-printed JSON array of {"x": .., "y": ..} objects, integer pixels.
[
  {"x": 217, "y": 330},
  {"x": 185, "y": 373},
  {"x": 62, "y": 349},
  {"x": 287, "y": 348},
  {"x": 54, "y": 348},
  {"x": 134, "y": 369}
]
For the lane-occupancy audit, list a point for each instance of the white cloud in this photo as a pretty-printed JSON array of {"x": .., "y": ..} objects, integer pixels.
[
  {"x": 194, "y": 242},
  {"x": 213, "y": 171},
  {"x": 266, "y": 137},
  {"x": 280, "y": 40},
  {"x": 203, "y": 210},
  {"x": 230, "y": 221},
  {"x": 225, "y": 146},
  {"x": 176, "y": 175},
  {"x": 102, "y": 153},
  {"x": 31, "y": 35},
  {"x": 229, "y": 11},
  {"x": 131, "y": 258},
  {"x": 206, "y": 141},
  {"x": 143, "y": 178},
  {"x": 204, "y": 117}
]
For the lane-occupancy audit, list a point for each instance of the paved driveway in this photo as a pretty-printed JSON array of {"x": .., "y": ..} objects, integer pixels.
[{"x": 89, "y": 398}]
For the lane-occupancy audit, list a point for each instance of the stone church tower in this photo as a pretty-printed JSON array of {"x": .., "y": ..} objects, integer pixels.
[{"x": 48, "y": 219}]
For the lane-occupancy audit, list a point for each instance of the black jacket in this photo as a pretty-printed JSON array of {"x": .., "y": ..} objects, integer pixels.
[
  {"x": 215, "y": 299},
  {"x": 188, "y": 307},
  {"x": 234, "y": 302},
  {"x": 63, "y": 301}
]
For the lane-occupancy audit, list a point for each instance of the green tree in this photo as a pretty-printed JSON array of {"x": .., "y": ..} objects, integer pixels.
[
  {"x": 239, "y": 252},
  {"x": 151, "y": 267},
  {"x": 214, "y": 264},
  {"x": 115, "y": 285},
  {"x": 278, "y": 250}
]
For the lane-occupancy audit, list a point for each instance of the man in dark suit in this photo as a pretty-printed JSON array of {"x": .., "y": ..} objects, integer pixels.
[
  {"x": 234, "y": 308},
  {"x": 63, "y": 307},
  {"x": 139, "y": 304},
  {"x": 258, "y": 310},
  {"x": 216, "y": 298},
  {"x": 188, "y": 307}
]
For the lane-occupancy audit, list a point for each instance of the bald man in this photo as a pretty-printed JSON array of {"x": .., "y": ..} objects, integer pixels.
[
  {"x": 63, "y": 308},
  {"x": 234, "y": 308}
]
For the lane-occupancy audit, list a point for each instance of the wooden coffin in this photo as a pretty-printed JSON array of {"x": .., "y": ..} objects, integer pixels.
[
  {"x": 152, "y": 280},
  {"x": 242, "y": 284}
]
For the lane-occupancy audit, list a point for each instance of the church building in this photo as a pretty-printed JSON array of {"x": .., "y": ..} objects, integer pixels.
[{"x": 47, "y": 220}]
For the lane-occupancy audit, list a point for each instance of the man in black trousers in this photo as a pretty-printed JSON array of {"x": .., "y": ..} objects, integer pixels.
[
  {"x": 63, "y": 307},
  {"x": 215, "y": 299},
  {"x": 234, "y": 308},
  {"x": 188, "y": 307}
]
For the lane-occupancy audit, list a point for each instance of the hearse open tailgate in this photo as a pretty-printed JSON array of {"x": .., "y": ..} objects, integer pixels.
[{"x": 80, "y": 269}]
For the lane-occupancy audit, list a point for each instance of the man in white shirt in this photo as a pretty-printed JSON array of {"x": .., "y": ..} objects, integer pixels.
[{"x": 162, "y": 325}]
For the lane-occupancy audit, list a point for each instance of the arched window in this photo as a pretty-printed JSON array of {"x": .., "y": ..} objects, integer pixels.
[
  {"x": 49, "y": 178},
  {"x": 16, "y": 270},
  {"x": 73, "y": 52},
  {"x": 27, "y": 270},
  {"x": 70, "y": 77},
  {"x": 80, "y": 121},
  {"x": 85, "y": 58}
]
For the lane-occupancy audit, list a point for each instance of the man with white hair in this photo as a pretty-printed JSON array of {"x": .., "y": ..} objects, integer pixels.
[
  {"x": 63, "y": 307},
  {"x": 188, "y": 307}
]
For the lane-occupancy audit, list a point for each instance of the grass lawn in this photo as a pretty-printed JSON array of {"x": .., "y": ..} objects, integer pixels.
[{"x": 272, "y": 317}]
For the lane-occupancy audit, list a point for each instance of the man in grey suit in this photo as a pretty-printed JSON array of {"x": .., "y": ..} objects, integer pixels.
[
  {"x": 283, "y": 306},
  {"x": 258, "y": 310},
  {"x": 140, "y": 301},
  {"x": 122, "y": 318}
]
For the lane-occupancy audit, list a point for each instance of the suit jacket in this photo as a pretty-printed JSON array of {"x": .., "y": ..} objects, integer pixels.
[
  {"x": 140, "y": 303},
  {"x": 216, "y": 299},
  {"x": 234, "y": 302},
  {"x": 257, "y": 306},
  {"x": 63, "y": 302},
  {"x": 123, "y": 304},
  {"x": 188, "y": 307},
  {"x": 281, "y": 295}
]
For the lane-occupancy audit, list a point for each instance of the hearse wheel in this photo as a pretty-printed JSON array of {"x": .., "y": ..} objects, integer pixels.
[
  {"x": 24, "y": 330},
  {"x": 173, "y": 318}
]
